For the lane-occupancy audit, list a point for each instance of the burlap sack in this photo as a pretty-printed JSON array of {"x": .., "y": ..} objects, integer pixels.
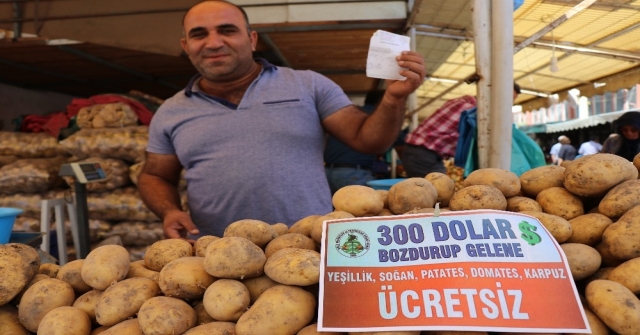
[
  {"x": 137, "y": 233},
  {"x": 34, "y": 175},
  {"x": 122, "y": 204},
  {"x": 128, "y": 143},
  {"x": 113, "y": 115},
  {"x": 30, "y": 145},
  {"x": 30, "y": 203}
]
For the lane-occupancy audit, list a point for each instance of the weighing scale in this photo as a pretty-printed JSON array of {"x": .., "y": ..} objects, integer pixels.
[{"x": 82, "y": 174}]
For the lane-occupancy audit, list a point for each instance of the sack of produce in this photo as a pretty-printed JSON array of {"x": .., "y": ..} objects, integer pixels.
[
  {"x": 31, "y": 175},
  {"x": 8, "y": 159},
  {"x": 97, "y": 228},
  {"x": 122, "y": 204},
  {"x": 30, "y": 145},
  {"x": 128, "y": 143},
  {"x": 116, "y": 171},
  {"x": 113, "y": 115}
]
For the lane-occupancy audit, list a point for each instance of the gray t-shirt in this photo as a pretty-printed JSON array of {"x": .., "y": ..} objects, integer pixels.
[{"x": 259, "y": 160}]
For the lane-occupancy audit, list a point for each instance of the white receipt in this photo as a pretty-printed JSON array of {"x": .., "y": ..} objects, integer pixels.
[{"x": 383, "y": 49}]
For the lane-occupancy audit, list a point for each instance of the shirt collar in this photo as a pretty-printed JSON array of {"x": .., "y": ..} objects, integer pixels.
[{"x": 191, "y": 86}]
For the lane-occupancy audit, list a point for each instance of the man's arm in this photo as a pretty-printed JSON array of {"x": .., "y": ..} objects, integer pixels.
[
  {"x": 158, "y": 188},
  {"x": 375, "y": 133}
]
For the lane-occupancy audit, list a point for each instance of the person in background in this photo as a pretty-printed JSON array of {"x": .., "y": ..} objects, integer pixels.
[
  {"x": 251, "y": 135},
  {"x": 436, "y": 138},
  {"x": 345, "y": 166},
  {"x": 555, "y": 149},
  {"x": 626, "y": 141},
  {"x": 567, "y": 151},
  {"x": 590, "y": 147}
]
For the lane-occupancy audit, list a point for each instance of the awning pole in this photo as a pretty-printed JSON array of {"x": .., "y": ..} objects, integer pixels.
[
  {"x": 501, "y": 118},
  {"x": 482, "y": 40}
]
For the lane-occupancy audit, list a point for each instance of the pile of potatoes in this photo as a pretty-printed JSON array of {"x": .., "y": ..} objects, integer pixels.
[{"x": 262, "y": 278}]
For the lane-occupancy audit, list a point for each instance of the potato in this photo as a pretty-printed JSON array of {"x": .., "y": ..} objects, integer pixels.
[
  {"x": 607, "y": 258},
  {"x": 38, "y": 277},
  {"x": 70, "y": 273},
  {"x": 620, "y": 199},
  {"x": 411, "y": 193},
  {"x": 226, "y": 300},
  {"x": 166, "y": 315},
  {"x": 425, "y": 210},
  {"x": 627, "y": 275},
  {"x": 383, "y": 196},
  {"x": 213, "y": 328},
  {"x": 558, "y": 201},
  {"x": 292, "y": 266},
  {"x": 49, "y": 269},
  {"x": 200, "y": 247},
  {"x": 201, "y": 313},
  {"x": 386, "y": 212},
  {"x": 444, "y": 185},
  {"x": 558, "y": 227},
  {"x": 358, "y": 200},
  {"x": 445, "y": 332},
  {"x": 9, "y": 321},
  {"x": 594, "y": 175},
  {"x": 185, "y": 278},
  {"x": 105, "y": 265},
  {"x": 128, "y": 327},
  {"x": 541, "y": 178},
  {"x": 478, "y": 197},
  {"x": 505, "y": 181},
  {"x": 519, "y": 204},
  {"x": 280, "y": 228},
  {"x": 622, "y": 236},
  {"x": 289, "y": 241},
  {"x": 65, "y": 320},
  {"x": 256, "y": 231},
  {"x": 583, "y": 260},
  {"x": 258, "y": 285},
  {"x": 103, "y": 329},
  {"x": 304, "y": 225},
  {"x": 234, "y": 258},
  {"x": 597, "y": 326},
  {"x": 316, "y": 227},
  {"x": 41, "y": 298},
  {"x": 588, "y": 228},
  {"x": 280, "y": 310},
  {"x": 87, "y": 302},
  {"x": 636, "y": 161},
  {"x": 162, "y": 252},
  {"x": 138, "y": 269},
  {"x": 19, "y": 263},
  {"x": 615, "y": 305},
  {"x": 123, "y": 299}
]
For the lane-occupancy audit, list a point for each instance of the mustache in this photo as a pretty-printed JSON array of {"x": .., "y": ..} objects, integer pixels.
[{"x": 214, "y": 52}]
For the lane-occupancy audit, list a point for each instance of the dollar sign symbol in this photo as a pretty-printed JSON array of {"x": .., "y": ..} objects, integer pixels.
[{"x": 528, "y": 233}]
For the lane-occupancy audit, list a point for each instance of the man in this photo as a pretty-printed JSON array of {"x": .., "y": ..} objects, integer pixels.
[
  {"x": 250, "y": 135},
  {"x": 590, "y": 147},
  {"x": 555, "y": 149},
  {"x": 567, "y": 151},
  {"x": 436, "y": 138}
]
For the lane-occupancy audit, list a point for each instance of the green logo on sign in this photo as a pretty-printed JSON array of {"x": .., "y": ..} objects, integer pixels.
[{"x": 349, "y": 244}]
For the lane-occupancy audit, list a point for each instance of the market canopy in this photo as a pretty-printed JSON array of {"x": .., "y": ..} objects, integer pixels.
[{"x": 133, "y": 44}]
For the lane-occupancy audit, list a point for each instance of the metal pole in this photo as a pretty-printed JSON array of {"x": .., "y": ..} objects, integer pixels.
[
  {"x": 482, "y": 41},
  {"x": 82, "y": 212},
  {"x": 501, "y": 118},
  {"x": 413, "y": 97}
]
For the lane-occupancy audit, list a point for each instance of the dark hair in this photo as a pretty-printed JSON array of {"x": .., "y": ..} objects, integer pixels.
[
  {"x": 516, "y": 88},
  {"x": 244, "y": 13}
]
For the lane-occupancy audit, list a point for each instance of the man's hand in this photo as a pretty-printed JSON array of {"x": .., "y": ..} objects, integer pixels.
[
  {"x": 415, "y": 73},
  {"x": 177, "y": 224}
]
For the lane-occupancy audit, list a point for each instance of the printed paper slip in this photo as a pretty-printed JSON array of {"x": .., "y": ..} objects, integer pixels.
[
  {"x": 473, "y": 270},
  {"x": 383, "y": 49}
]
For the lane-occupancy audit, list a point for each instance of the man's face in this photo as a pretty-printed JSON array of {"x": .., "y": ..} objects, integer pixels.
[{"x": 217, "y": 41}]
